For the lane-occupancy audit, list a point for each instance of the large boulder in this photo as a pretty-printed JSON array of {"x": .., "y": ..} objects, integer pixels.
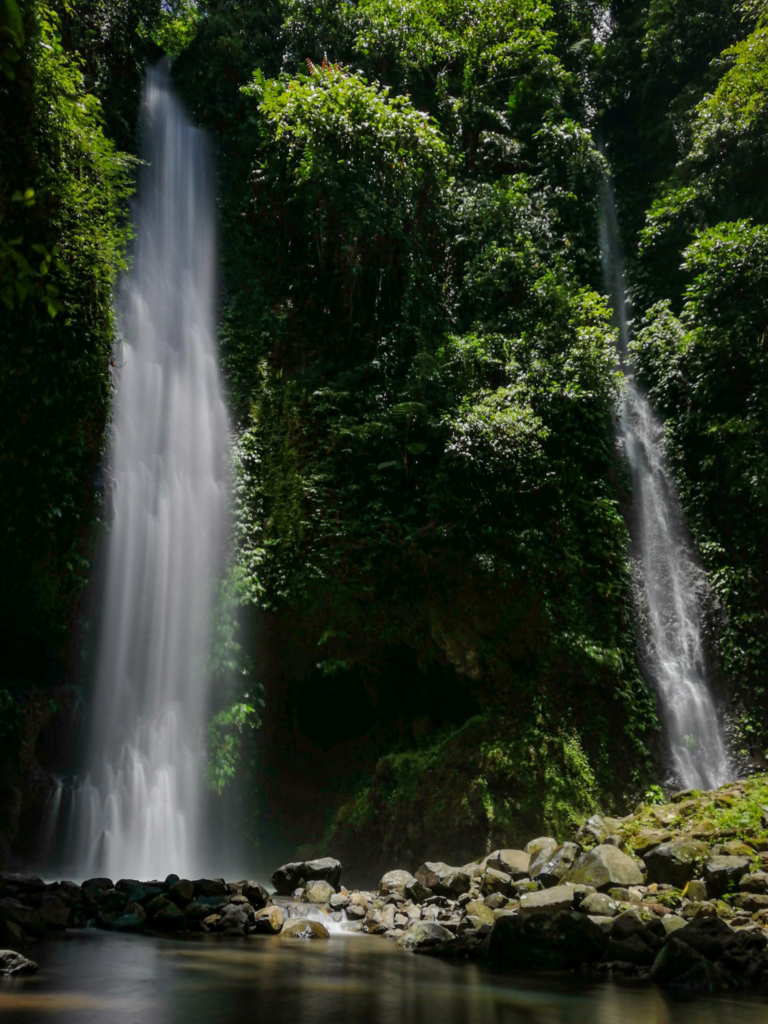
[
  {"x": 559, "y": 863},
  {"x": 495, "y": 881},
  {"x": 605, "y": 867},
  {"x": 722, "y": 872},
  {"x": 26, "y": 884},
  {"x": 431, "y": 873},
  {"x": 13, "y": 964},
  {"x": 256, "y": 894},
  {"x": 268, "y": 921},
  {"x": 395, "y": 881},
  {"x": 536, "y": 846},
  {"x": 424, "y": 935},
  {"x": 27, "y": 918},
  {"x": 514, "y": 863},
  {"x": 305, "y": 929},
  {"x": 318, "y": 891},
  {"x": 755, "y": 883},
  {"x": 292, "y": 876},
  {"x": 54, "y": 912},
  {"x": 557, "y": 941},
  {"x": 560, "y": 897},
  {"x": 182, "y": 892},
  {"x": 596, "y": 830},
  {"x": 676, "y": 863}
]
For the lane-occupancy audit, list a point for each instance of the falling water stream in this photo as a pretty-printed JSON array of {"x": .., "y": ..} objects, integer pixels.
[
  {"x": 669, "y": 596},
  {"x": 137, "y": 814}
]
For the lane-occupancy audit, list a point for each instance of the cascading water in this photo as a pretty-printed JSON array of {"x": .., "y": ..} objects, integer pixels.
[
  {"x": 671, "y": 580},
  {"x": 137, "y": 814}
]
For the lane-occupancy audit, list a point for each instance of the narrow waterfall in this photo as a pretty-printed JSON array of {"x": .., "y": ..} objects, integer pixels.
[
  {"x": 671, "y": 581},
  {"x": 137, "y": 814}
]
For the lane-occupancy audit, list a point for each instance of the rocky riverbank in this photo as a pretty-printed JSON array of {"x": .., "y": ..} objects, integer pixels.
[{"x": 675, "y": 893}]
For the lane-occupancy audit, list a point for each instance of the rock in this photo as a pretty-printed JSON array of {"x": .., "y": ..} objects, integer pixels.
[
  {"x": 70, "y": 892},
  {"x": 181, "y": 892},
  {"x": 14, "y": 965},
  {"x": 424, "y": 935},
  {"x": 599, "y": 904},
  {"x": 632, "y": 950},
  {"x": 417, "y": 891},
  {"x": 133, "y": 919},
  {"x": 671, "y": 923},
  {"x": 723, "y": 871},
  {"x": 139, "y": 892},
  {"x": 26, "y": 884},
  {"x": 495, "y": 882},
  {"x": 481, "y": 911},
  {"x": 514, "y": 863},
  {"x": 545, "y": 941},
  {"x": 54, "y": 912},
  {"x": 291, "y": 876},
  {"x": 755, "y": 883},
  {"x": 537, "y": 846},
  {"x": 560, "y": 897},
  {"x": 12, "y": 934},
  {"x": 318, "y": 891},
  {"x": 168, "y": 918},
  {"x": 27, "y": 918},
  {"x": 637, "y": 922},
  {"x": 256, "y": 894},
  {"x": 234, "y": 919},
  {"x": 455, "y": 883},
  {"x": 94, "y": 888},
  {"x": 431, "y": 873},
  {"x": 355, "y": 912},
  {"x": 395, "y": 881},
  {"x": 753, "y": 902},
  {"x": 597, "y": 830},
  {"x": 696, "y": 891},
  {"x": 268, "y": 921},
  {"x": 650, "y": 838},
  {"x": 560, "y": 862},
  {"x": 604, "y": 867},
  {"x": 676, "y": 863},
  {"x": 709, "y": 936},
  {"x": 305, "y": 929},
  {"x": 495, "y": 901},
  {"x": 209, "y": 887},
  {"x": 339, "y": 901}
]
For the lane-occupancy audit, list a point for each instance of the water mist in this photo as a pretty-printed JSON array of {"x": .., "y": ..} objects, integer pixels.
[
  {"x": 138, "y": 812},
  {"x": 668, "y": 596}
]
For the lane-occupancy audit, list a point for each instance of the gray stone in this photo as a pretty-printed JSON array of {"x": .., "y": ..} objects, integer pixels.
[
  {"x": 291, "y": 876},
  {"x": 305, "y": 929},
  {"x": 597, "y": 830},
  {"x": 480, "y": 910},
  {"x": 514, "y": 863},
  {"x": 696, "y": 891},
  {"x": 256, "y": 894},
  {"x": 27, "y": 918},
  {"x": 54, "y": 912},
  {"x": 395, "y": 881},
  {"x": 755, "y": 883},
  {"x": 182, "y": 892},
  {"x": 431, "y": 873},
  {"x": 671, "y": 923},
  {"x": 560, "y": 862},
  {"x": 605, "y": 867},
  {"x": 455, "y": 882},
  {"x": 168, "y": 918},
  {"x": 210, "y": 887},
  {"x": 318, "y": 891},
  {"x": 536, "y": 846},
  {"x": 417, "y": 891},
  {"x": 724, "y": 872},
  {"x": 425, "y": 934},
  {"x": 13, "y": 964},
  {"x": 339, "y": 901},
  {"x": 599, "y": 904},
  {"x": 560, "y": 897},
  {"x": 495, "y": 881},
  {"x": 676, "y": 863}
]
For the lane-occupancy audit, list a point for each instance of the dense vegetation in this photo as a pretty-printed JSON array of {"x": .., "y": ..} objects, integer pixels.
[{"x": 429, "y": 504}]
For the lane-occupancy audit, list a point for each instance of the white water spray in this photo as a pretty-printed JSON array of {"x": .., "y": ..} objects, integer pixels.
[
  {"x": 138, "y": 812},
  {"x": 669, "y": 598}
]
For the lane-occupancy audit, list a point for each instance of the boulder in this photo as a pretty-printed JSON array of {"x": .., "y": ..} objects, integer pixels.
[
  {"x": 605, "y": 867},
  {"x": 417, "y": 891},
  {"x": 339, "y": 901},
  {"x": 268, "y": 921},
  {"x": 94, "y": 888},
  {"x": 514, "y": 863},
  {"x": 536, "y": 846},
  {"x": 318, "y": 891},
  {"x": 14, "y": 965},
  {"x": 210, "y": 887},
  {"x": 12, "y": 935},
  {"x": 479, "y": 910},
  {"x": 27, "y": 918},
  {"x": 722, "y": 872},
  {"x": 256, "y": 894},
  {"x": 679, "y": 965},
  {"x": 234, "y": 919},
  {"x": 291, "y": 876},
  {"x": 696, "y": 891},
  {"x": 676, "y": 863},
  {"x": 599, "y": 904},
  {"x": 168, "y": 918},
  {"x": 649, "y": 838},
  {"x": 710, "y": 936},
  {"x": 560, "y": 897},
  {"x": 395, "y": 881},
  {"x": 558, "y": 941},
  {"x": 672, "y": 923},
  {"x": 755, "y": 883},
  {"x": 26, "y": 884},
  {"x": 133, "y": 919},
  {"x": 431, "y": 873},
  {"x": 495, "y": 882},
  {"x": 596, "y": 830},
  {"x": 305, "y": 929},
  {"x": 560, "y": 862},
  {"x": 54, "y": 912},
  {"x": 181, "y": 892},
  {"x": 425, "y": 934}
]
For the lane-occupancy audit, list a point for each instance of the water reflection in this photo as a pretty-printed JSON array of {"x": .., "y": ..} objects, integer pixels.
[{"x": 96, "y": 976}]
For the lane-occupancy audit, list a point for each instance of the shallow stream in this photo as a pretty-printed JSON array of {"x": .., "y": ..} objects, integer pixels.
[{"x": 94, "y": 976}]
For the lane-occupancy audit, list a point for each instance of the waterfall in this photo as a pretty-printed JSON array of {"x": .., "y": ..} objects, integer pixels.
[
  {"x": 670, "y": 579},
  {"x": 138, "y": 812}
]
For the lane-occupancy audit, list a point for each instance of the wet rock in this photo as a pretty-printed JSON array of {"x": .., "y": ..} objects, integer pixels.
[
  {"x": 674, "y": 961},
  {"x": 560, "y": 897},
  {"x": 181, "y": 892},
  {"x": 710, "y": 936},
  {"x": 417, "y": 891},
  {"x": 268, "y": 921},
  {"x": 133, "y": 919},
  {"x": 210, "y": 887},
  {"x": 305, "y": 929},
  {"x": 599, "y": 904},
  {"x": 676, "y": 863},
  {"x": 355, "y": 912},
  {"x": 12, "y": 935},
  {"x": 70, "y": 892},
  {"x": 637, "y": 922},
  {"x": 290, "y": 876},
  {"x": 395, "y": 881},
  {"x": 425, "y": 934},
  {"x": 514, "y": 863},
  {"x": 454, "y": 883},
  {"x": 26, "y": 884},
  {"x": 431, "y": 873},
  {"x": 137, "y": 891},
  {"x": 560, "y": 862},
  {"x": 14, "y": 965},
  {"x": 495, "y": 882},
  {"x": 545, "y": 941},
  {"x": 54, "y": 913},
  {"x": 339, "y": 901},
  {"x": 318, "y": 891},
  {"x": 723, "y": 871},
  {"x": 632, "y": 950},
  {"x": 256, "y": 894},
  {"x": 605, "y": 867},
  {"x": 168, "y": 918},
  {"x": 93, "y": 889},
  {"x": 495, "y": 901},
  {"x": 235, "y": 919},
  {"x": 27, "y": 918},
  {"x": 479, "y": 910}
]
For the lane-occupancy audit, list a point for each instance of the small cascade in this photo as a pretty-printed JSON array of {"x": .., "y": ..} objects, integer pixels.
[
  {"x": 137, "y": 814},
  {"x": 671, "y": 580}
]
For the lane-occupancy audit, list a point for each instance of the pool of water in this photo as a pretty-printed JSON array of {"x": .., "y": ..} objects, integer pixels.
[{"x": 94, "y": 976}]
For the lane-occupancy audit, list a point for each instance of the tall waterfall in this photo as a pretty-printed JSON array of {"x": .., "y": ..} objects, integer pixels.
[
  {"x": 669, "y": 596},
  {"x": 138, "y": 813}
]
